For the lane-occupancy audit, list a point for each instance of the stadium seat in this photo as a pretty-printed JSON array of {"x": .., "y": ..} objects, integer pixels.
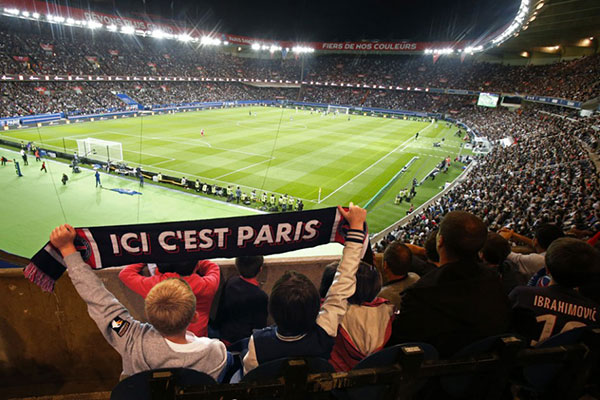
[
  {"x": 539, "y": 378},
  {"x": 145, "y": 385},
  {"x": 470, "y": 385},
  {"x": 277, "y": 368},
  {"x": 387, "y": 357}
]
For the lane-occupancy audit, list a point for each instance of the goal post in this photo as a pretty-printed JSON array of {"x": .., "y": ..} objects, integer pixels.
[
  {"x": 337, "y": 110},
  {"x": 100, "y": 150}
]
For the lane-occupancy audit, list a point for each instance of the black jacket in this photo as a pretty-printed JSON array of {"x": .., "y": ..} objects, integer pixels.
[
  {"x": 451, "y": 307},
  {"x": 242, "y": 308}
]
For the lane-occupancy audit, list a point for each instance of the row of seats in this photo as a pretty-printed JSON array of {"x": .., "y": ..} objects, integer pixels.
[{"x": 556, "y": 368}]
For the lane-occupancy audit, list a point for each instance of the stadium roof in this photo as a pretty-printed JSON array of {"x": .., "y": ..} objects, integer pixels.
[
  {"x": 559, "y": 22},
  {"x": 332, "y": 20}
]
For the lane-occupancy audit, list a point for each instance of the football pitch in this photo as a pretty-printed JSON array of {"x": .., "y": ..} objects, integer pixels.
[{"x": 277, "y": 150}]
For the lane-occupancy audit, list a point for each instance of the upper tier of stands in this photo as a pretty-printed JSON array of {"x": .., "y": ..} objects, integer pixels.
[{"x": 78, "y": 51}]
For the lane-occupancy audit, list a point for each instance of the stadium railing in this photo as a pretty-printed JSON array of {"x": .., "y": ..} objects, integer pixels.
[{"x": 405, "y": 378}]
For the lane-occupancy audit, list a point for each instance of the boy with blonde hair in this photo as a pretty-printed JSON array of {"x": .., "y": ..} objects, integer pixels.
[{"x": 170, "y": 307}]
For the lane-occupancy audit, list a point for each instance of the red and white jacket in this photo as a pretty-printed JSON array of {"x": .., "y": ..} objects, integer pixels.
[{"x": 365, "y": 329}]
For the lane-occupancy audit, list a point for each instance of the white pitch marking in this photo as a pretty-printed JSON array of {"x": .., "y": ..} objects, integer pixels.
[
  {"x": 401, "y": 146},
  {"x": 241, "y": 169}
]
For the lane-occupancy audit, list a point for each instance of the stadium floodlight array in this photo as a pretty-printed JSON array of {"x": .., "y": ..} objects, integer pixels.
[
  {"x": 302, "y": 49},
  {"x": 100, "y": 150},
  {"x": 517, "y": 22},
  {"x": 447, "y": 50}
]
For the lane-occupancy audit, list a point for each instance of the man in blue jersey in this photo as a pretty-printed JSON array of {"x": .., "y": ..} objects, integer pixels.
[{"x": 542, "y": 312}]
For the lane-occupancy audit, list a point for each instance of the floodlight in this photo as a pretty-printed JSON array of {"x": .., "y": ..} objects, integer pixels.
[
  {"x": 70, "y": 21},
  {"x": 158, "y": 34},
  {"x": 184, "y": 37},
  {"x": 255, "y": 46},
  {"x": 35, "y": 15},
  {"x": 59, "y": 19},
  {"x": 25, "y": 14},
  {"x": 129, "y": 30},
  {"x": 226, "y": 43},
  {"x": 112, "y": 28},
  {"x": 12, "y": 11},
  {"x": 93, "y": 24}
]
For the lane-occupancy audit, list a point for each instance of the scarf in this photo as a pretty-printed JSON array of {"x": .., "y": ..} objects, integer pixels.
[{"x": 173, "y": 242}]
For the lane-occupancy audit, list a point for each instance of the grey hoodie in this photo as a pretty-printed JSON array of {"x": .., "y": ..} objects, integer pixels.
[{"x": 141, "y": 346}]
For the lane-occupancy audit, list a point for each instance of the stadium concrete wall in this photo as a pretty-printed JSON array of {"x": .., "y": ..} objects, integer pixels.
[{"x": 49, "y": 344}]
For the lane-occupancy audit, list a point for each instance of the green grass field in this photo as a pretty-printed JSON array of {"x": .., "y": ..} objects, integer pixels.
[{"x": 277, "y": 150}]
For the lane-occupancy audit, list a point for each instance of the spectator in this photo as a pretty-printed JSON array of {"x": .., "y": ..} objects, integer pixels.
[
  {"x": 529, "y": 264},
  {"x": 367, "y": 325},
  {"x": 397, "y": 260},
  {"x": 461, "y": 301},
  {"x": 494, "y": 255},
  {"x": 243, "y": 305},
  {"x": 170, "y": 308},
  {"x": 202, "y": 276},
  {"x": 303, "y": 328},
  {"x": 542, "y": 312}
]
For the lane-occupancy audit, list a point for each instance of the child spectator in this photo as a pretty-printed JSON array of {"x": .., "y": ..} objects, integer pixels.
[
  {"x": 203, "y": 277},
  {"x": 303, "y": 326},
  {"x": 243, "y": 305},
  {"x": 170, "y": 308},
  {"x": 542, "y": 312},
  {"x": 367, "y": 325},
  {"x": 397, "y": 261},
  {"x": 494, "y": 255}
]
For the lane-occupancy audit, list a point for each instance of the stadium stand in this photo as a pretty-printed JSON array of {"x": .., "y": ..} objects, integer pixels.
[{"x": 548, "y": 175}]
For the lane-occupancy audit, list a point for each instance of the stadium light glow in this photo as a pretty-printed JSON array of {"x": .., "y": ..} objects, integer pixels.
[
  {"x": 540, "y": 5},
  {"x": 440, "y": 51},
  {"x": 207, "y": 40},
  {"x": 158, "y": 34},
  {"x": 70, "y": 21},
  {"x": 93, "y": 24},
  {"x": 128, "y": 30},
  {"x": 25, "y": 14},
  {"x": 35, "y": 15},
  {"x": 255, "y": 46},
  {"x": 11, "y": 11},
  {"x": 184, "y": 37},
  {"x": 226, "y": 43},
  {"x": 112, "y": 28},
  {"x": 274, "y": 48},
  {"x": 302, "y": 49},
  {"x": 515, "y": 25}
]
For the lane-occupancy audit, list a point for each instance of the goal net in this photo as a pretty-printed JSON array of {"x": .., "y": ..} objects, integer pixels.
[
  {"x": 337, "y": 110},
  {"x": 100, "y": 150}
]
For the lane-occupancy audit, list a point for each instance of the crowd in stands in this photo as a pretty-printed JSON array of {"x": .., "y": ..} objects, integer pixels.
[
  {"x": 449, "y": 277},
  {"x": 29, "y": 47},
  {"x": 547, "y": 176},
  {"x": 471, "y": 287}
]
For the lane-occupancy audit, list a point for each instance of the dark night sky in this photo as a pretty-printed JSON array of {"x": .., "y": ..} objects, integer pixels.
[{"x": 330, "y": 19}]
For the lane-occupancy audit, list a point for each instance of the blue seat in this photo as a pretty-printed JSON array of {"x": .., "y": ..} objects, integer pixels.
[
  {"x": 386, "y": 358},
  {"x": 539, "y": 377},
  {"x": 276, "y": 368},
  {"x": 391, "y": 355},
  {"x": 461, "y": 386},
  {"x": 141, "y": 385}
]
